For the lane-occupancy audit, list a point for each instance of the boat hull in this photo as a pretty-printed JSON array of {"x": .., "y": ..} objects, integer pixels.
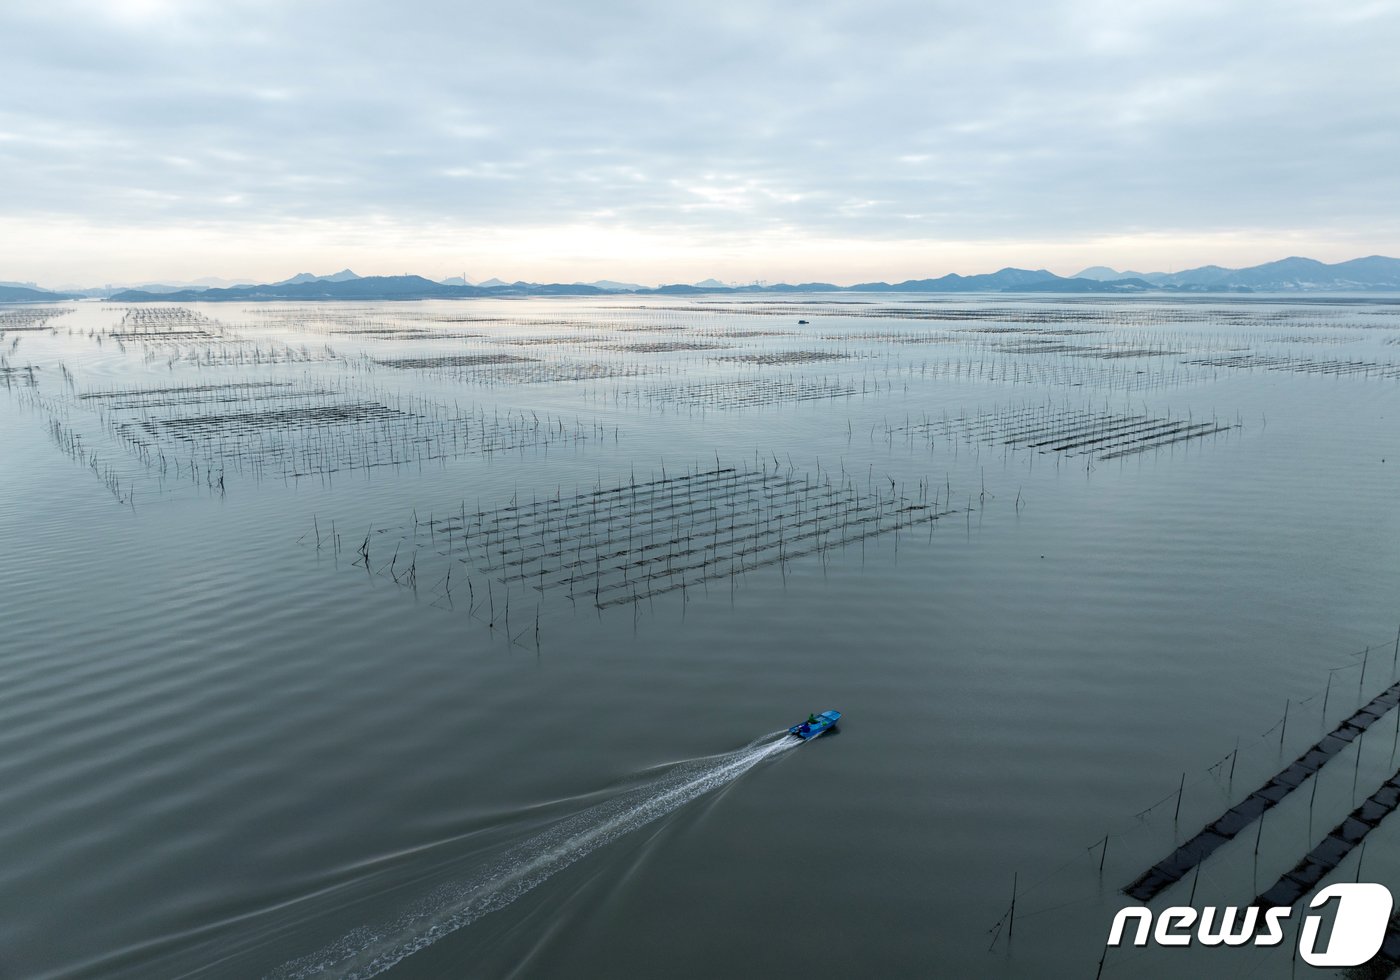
[{"x": 825, "y": 722}]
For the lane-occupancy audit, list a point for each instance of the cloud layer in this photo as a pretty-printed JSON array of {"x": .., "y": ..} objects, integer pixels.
[{"x": 654, "y": 136}]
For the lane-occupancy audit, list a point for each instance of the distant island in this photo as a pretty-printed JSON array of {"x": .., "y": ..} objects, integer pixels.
[{"x": 1292, "y": 275}]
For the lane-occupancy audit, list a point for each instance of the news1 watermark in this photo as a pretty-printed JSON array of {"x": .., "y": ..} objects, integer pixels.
[{"x": 1359, "y": 914}]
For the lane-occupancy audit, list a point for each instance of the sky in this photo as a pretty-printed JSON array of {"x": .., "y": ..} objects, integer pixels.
[{"x": 165, "y": 140}]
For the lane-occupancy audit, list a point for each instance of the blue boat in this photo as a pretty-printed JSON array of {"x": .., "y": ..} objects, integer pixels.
[{"x": 816, "y": 725}]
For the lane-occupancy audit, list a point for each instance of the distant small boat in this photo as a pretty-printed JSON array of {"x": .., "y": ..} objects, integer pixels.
[
  {"x": 800, "y": 322},
  {"x": 816, "y": 725}
]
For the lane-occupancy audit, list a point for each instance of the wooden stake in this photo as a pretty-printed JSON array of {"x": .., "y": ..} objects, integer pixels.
[
  {"x": 1011, "y": 922},
  {"x": 1361, "y": 684}
]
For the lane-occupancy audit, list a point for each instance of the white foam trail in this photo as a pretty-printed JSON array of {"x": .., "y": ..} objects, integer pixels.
[{"x": 366, "y": 952}]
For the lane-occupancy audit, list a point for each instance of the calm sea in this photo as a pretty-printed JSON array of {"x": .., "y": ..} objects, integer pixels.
[{"x": 459, "y": 639}]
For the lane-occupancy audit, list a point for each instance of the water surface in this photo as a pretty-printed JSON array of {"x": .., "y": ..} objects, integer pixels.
[{"x": 231, "y": 751}]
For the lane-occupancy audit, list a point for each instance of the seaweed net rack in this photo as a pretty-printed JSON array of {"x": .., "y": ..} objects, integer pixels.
[
  {"x": 1339, "y": 842},
  {"x": 1214, "y": 835},
  {"x": 636, "y": 540}
]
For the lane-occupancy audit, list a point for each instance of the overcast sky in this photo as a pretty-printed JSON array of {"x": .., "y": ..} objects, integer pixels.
[{"x": 156, "y": 139}]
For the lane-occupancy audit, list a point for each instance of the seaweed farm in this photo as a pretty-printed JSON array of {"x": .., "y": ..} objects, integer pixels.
[
  {"x": 747, "y": 392},
  {"x": 1189, "y": 855},
  {"x": 288, "y": 430},
  {"x": 1303, "y": 365},
  {"x": 635, "y": 541},
  {"x": 1071, "y": 432},
  {"x": 461, "y": 638}
]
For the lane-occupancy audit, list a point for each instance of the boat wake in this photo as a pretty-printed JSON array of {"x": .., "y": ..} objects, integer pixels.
[{"x": 366, "y": 951}]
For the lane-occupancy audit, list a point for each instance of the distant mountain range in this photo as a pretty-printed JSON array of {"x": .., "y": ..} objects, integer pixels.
[
  {"x": 28, "y": 294},
  {"x": 1291, "y": 275},
  {"x": 344, "y": 275},
  {"x": 102, "y": 292},
  {"x": 1285, "y": 275}
]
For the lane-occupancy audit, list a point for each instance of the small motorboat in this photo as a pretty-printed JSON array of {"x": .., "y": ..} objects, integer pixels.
[
  {"x": 801, "y": 322},
  {"x": 816, "y": 725}
]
